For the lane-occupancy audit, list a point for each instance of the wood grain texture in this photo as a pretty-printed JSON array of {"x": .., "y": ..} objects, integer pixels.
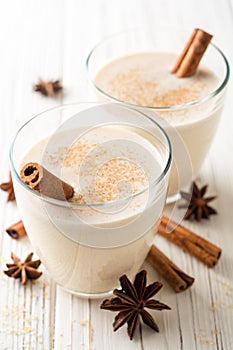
[{"x": 51, "y": 39}]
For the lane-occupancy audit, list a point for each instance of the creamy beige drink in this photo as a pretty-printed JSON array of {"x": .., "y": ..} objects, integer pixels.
[
  {"x": 144, "y": 80},
  {"x": 107, "y": 228}
]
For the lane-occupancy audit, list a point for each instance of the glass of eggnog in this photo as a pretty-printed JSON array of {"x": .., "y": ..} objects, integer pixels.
[
  {"x": 117, "y": 162},
  {"x": 134, "y": 68}
]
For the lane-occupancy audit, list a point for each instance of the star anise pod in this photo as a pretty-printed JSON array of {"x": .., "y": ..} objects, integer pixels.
[
  {"x": 131, "y": 302},
  {"x": 197, "y": 204},
  {"x": 48, "y": 88},
  {"x": 23, "y": 270},
  {"x": 8, "y": 187}
]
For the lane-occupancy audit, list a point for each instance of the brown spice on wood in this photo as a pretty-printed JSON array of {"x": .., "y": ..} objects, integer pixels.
[
  {"x": 177, "y": 279},
  {"x": 8, "y": 187},
  {"x": 197, "y": 204},
  {"x": 17, "y": 230},
  {"x": 131, "y": 301},
  {"x": 48, "y": 88},
  {"x": 24, "y": 270},
  {"x": 190, "y": 242}
]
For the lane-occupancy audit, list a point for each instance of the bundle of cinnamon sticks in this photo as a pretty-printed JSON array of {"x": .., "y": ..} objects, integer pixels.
[{"x": 190, "y": 242}]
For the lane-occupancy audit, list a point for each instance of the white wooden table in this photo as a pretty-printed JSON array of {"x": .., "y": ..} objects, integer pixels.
[{"x": 51, "y": 39}]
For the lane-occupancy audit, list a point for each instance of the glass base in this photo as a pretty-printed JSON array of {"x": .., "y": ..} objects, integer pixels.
[
  {"x": 173, "y": 198},
  {"x": 88, "y": 295}
]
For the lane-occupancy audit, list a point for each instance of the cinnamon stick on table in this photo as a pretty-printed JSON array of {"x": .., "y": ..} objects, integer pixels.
[
  {"x": 177, "y": 279},
  {"x": 189, "y": 59},
  {"x": 17, "y": 230},
  {"x": 41, "y": 180},
  {"x": 190, "y": 242}
]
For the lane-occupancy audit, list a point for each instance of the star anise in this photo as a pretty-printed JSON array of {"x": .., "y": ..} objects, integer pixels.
[
  {"x": 48, "y": 88},
  {"x": 197, "y": 205},
  {"x": 131, "y": 302},
  {"x": 8, "y": 187},
  {"x": 23, "y": 270}
]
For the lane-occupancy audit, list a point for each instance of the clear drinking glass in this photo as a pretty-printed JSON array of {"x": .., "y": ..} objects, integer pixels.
[
  {"x": 87, "y": 246},
  {"x": 191, "y": 139}
]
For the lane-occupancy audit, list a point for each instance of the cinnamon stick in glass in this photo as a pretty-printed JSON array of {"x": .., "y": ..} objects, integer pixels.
[
  {"x": 190, "y": 242},
  {"x": 41, "y": 180},
  {"x": 177, "y": 279},
  {"x": 189, "y": 59},
  {"x": 17, "y": 230}
]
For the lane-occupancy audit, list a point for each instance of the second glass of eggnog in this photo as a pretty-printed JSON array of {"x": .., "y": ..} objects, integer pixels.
[
  {"x": 133, "y": 68},
  {"x": 117, "y": 160}
]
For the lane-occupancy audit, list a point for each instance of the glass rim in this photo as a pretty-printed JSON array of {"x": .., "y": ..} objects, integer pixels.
[
  {"x": 66, "y": 203},
  {"x": 199, "y": 101}
]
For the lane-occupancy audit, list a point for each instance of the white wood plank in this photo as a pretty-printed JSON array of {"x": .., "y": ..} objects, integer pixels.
[{"x": 81, "y": 326}]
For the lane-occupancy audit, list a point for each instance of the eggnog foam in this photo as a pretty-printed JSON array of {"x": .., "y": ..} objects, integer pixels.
[{"x": 144, "y": 79}]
